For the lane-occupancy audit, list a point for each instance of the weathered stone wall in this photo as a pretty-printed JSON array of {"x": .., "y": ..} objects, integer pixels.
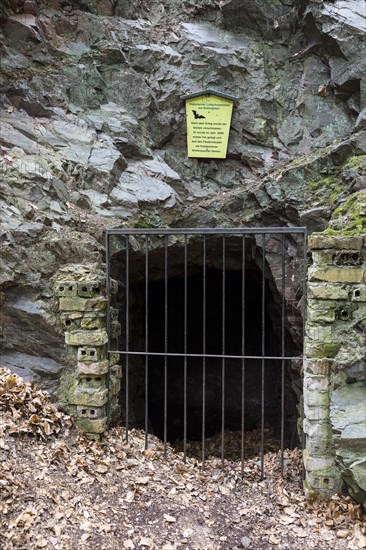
[
  {"x": 335, "y": 366},
  {"x": 93, "y": 397}
]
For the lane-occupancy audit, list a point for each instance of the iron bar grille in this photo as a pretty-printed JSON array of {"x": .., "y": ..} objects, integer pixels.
[{"x": 207, "y": 302}]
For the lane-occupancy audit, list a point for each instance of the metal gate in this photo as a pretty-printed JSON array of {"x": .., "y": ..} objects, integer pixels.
[{"x": 229, "y": 269}]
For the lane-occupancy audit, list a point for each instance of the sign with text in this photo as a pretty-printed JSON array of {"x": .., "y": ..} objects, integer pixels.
[{"x": 208, "y": 124}]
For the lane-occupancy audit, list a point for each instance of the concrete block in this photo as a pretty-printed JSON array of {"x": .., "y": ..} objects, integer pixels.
[
  {"x": 86, "y": 338},
  {"x": 115, "y": 329},
  {"x": 97, "y": 426},
  {"x": 312, "y": 463},
  {"x": 69, "y": 323},
  {"x": 116, "y": 371},
  {"x": 113, "y": 286},
  {"x": 82, "y": 304},
  {"x": 326, "y": 482},
  {"x": 358, "y": 293},
  {"x": 317, "y": 367},
  {"x": 328, "y": 291},
  {"x": 320, "y": 241},
  {"x": 114, "y": 358},
  {"x": 113, "y": 313},
  {"x": 316, "y": 398},
  {"x": 320, "y": 350},
  {"x": 319, "y": 333},
  {"x": 92, "y": 368},
  {"x": 90, "y": 412},
  {"x": 337, "y": 275},
  {"x": 91, "y": 353},
  {"x": 89, "y": 289},
  {"x": 90, "y": 398},
  {"x": 87, "y": 381},
  {"x": 322, "y": 257},
  {"x": 317, "y": 413},
  {"x": 92, "y": 323},
  {"x": 316, "y": 383},
  {"x": 114, "y": 385},
  {"x": 319, "y": 447},
  {"x": 347, "y": 258},
  {"x": 321, "y": 315},
  {"x": 317, "y": 430},
  {"x": 66, "y": 289}
]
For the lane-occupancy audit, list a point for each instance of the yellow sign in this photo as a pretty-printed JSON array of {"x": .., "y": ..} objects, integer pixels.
[{"x": 208, "y": 123}]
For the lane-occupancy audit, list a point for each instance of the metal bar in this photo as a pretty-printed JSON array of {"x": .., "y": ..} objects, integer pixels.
[
  {"x": 146, "y": 341},
  {"x": 204, "y": 352},
  {"x": 207, "y": 231},
  {"x": 108, "y": 324},
  {"x": 304, "y": 287},
  {"x": 210, "y": 356},
  {"x": 283, "y": 290},
  {"x": 243, "y": 353},
  {"x": 263, "y": 354},
  {"x": 223, "y": 353},
  {"x": 185, "y": 352},
  {"x": 127, "y": 333},
  {"x": 165, "y": 342}
]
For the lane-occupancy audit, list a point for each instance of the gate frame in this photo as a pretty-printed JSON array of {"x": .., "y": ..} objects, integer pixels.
[{"x": 223, "y": 232}]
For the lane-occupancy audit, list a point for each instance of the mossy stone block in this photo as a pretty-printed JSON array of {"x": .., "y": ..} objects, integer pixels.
[
  {"x": 92, "y": 368},
  {"x": 116, "y": 370},
  {"x": 317, "y": 366},
  {"x": 87, "y": 381},
  {"x": 90, "y": 412},
  {"x": 82, "y": 304},
  {"x": 114, "y": 358},
  {"x": 97, "y": 426},
  {"x": 318, "y": 241},
  {"x": 337, "y": 274},
  {"x": 88, "y": 354},
  {"x": 328, "y": 291},
  {"x": 89, "y": 289},
  {"x": 86, "y": 338},
  {"x": 90, "y": 398},
  {"x": 92, "y": 323},
  {"x": 320, "y": 350},
  {"x": 114, "y": 385},
  {"x": 66, "y": 289}
]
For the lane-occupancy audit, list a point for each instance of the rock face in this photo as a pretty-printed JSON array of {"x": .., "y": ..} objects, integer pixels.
[{"x": 93, "y": 132}]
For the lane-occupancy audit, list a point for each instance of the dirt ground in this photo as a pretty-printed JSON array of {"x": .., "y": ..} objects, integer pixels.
[{"x": 60, "y": 490}]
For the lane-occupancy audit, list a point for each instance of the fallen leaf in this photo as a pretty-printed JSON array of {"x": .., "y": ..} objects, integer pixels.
[{"x": 169, "y": 519}]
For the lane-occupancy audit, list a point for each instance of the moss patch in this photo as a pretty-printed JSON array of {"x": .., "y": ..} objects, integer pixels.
[
  {"x": 326, "y": 190},
  {"x": 350, "y": 217}
]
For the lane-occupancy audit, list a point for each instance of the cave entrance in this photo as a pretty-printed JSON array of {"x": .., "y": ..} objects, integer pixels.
[{"x": 211, "y": 336}]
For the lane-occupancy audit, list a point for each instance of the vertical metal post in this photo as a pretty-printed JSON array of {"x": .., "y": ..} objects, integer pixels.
[
  {"x": 204, "y": 352},
  {"x": 243, "y": 353},
  {"x": 146, "y": 340},
  {"x": 127, "y": 331},
  {"x": 263, "y": 353},
  {"x": 185, "y": 351},
  {"x": 223, "y": 353},
  {"x": 165, "y": 342},
  {"x": 108, "y": 325},
  {"x": 283, "y": 290}
]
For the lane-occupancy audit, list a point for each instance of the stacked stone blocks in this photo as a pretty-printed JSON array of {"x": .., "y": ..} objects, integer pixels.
[
  {"x": 336, "y": 311},
  {"x": 82, "y": 304}
]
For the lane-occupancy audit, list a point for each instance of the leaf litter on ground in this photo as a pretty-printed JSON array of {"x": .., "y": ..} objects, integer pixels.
[{"x": 59, "y": 489}]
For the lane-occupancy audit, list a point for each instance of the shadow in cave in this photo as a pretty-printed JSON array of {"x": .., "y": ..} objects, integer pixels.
[{"x": 234, "y": 368}]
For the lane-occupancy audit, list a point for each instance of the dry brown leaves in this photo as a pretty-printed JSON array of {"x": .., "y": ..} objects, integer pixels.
[
  {"x": 25, "y": 409},
  {"x": 65, "y": 491}
]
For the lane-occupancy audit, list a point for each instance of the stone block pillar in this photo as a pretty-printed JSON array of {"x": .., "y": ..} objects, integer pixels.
[
  {"x": 333, "y": 339},
  {"x": 82, "y": 303}
]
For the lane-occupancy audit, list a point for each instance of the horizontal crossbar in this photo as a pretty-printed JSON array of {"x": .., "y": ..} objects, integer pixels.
[{"x": 207, "y": 231}]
